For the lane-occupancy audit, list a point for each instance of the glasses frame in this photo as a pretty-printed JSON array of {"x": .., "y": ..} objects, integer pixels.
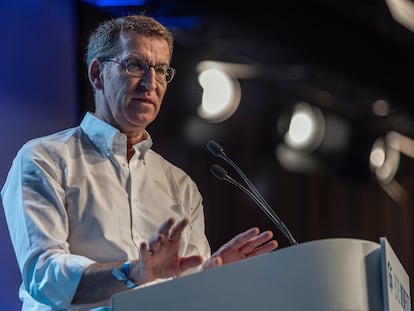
[{"x": 124, "y": 63}]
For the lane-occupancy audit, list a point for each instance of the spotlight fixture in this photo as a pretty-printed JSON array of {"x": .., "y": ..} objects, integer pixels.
[
  {"x": 308, "y": 134},
  {"x": 306, "y": 128},
  {"x": 386, "y": 154},
  {"x": 221, "y": 88},
  {"x": 403, "y": 12},
  {"x": 221, "y": 95},
  {"x": 385, "y": 161}
]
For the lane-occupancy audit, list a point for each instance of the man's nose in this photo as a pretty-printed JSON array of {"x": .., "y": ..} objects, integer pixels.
[{"x": 148, "y": 80}]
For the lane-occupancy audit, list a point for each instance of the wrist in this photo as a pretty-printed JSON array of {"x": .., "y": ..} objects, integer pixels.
[{"x": 122, "y": 274}]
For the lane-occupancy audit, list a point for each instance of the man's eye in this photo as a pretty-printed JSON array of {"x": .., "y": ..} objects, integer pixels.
[
  {"x": 136, "y": 66},
  {"x": 161, "y": 70}
]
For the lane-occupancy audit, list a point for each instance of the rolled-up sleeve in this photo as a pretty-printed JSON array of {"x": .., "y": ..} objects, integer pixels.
[{"x": 34, "y": 205}]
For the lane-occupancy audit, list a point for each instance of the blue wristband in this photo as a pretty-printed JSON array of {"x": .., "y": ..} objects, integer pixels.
[{"x": 122, "y": 275}]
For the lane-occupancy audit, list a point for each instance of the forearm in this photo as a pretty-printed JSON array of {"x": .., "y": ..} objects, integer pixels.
[{"x": 98, "y": 283}]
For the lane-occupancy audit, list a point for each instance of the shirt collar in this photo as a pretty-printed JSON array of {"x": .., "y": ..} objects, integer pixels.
[{"x": 109, "y": 139}]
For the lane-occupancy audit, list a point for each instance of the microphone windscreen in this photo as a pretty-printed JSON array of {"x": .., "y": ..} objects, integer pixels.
[
  {"x": 218, "y": 171},
  {"x": 214, "y": 148}
]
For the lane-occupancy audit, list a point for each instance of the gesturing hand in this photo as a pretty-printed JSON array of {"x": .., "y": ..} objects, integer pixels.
[
  {"x": 246, "y": 244},
  {"x": 160, "y": 258}
]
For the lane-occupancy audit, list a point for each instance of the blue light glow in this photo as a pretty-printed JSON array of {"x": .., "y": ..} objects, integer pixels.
[{"x": 103, "y": 3}]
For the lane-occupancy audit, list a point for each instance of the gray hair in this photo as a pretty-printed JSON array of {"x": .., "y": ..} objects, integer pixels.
[{"x": 104, "y": 41}]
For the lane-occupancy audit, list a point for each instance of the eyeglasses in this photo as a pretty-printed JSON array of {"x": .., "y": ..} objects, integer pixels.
[{"x": 138, "y": 68}]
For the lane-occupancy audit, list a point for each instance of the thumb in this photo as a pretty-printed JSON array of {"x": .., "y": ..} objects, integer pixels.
[
  {"x": 213, "y": 262},
  {"x": 190, "y": 262}
]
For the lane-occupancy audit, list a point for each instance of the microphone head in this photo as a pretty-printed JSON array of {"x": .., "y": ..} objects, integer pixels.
[
  {"x": 218, "y": 171},
  {"x": 215, "y": 148}
]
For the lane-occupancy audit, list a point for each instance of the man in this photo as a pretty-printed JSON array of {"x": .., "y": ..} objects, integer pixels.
[{"x": 93, "y": 210}]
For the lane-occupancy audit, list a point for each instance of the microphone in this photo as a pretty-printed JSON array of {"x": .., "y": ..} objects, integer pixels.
[{"x": 221, "y": 174}]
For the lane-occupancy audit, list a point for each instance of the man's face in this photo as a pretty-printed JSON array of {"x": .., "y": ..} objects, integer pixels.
[{"x": 131, "y": 103}]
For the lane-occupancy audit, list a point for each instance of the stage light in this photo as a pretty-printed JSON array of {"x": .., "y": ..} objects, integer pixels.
[
  {"x": 403, "y": 12},
  {"x": 384, "y": 160},
  {"x": 306, "y": 128},
  {"x": 221, "y": 91},
  {"x": 308, "y": 135},
  {"x": 387, "y": 155},
  {"x": 381, "y": 108}
]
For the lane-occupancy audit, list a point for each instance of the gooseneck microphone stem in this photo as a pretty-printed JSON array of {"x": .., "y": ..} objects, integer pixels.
[
  {"x": 221, "y": 174},
  {"x": 218, "y": 151}
]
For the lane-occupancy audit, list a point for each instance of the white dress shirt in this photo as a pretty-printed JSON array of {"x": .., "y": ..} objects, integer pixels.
[{"x": 72, "y": 199}]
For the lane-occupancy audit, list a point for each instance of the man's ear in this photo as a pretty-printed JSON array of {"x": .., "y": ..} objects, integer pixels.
[{"x": 95, "y": 74}]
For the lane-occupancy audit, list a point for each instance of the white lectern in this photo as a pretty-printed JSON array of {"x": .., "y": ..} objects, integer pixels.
[{"x": 322, "y": 275}]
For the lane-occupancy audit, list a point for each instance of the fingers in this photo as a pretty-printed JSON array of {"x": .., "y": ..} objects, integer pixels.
[
  {"x": 256, "y": 241},
  {"x": 242, "y": 238},
  {"x": 248, "y": 240},
  {"x": 247, "y": 244},
  {"x": 172, "y": 232},
  {"x": 168, "y": 233},
  {"x": 144, "y": 253},
  {"x": 166, "y": 226},
  {"x": 259, "y": 245},
  {"x": 263, "y": 249},
  {"x": 177, "y": 230},
  {"x": 160, "y": 257}
]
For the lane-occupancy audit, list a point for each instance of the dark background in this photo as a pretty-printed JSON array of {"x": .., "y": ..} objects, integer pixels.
[{"x": 338, "y": 55}]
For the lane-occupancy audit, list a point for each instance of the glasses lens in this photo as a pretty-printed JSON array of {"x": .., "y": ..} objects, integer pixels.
[
  {"x": 169, "y": 75},
  {"x": 137, "y": 67}
]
